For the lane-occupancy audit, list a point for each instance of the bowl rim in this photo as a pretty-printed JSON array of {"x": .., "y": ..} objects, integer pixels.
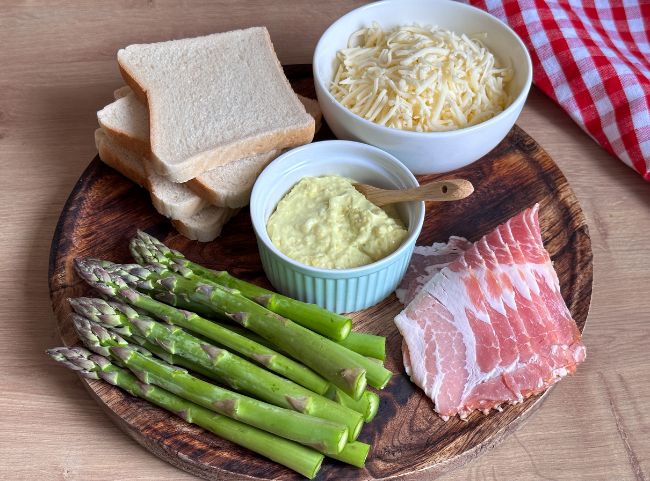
[
  {"x": 260, "y": 225},
  {"x": 521, "y": 97}
]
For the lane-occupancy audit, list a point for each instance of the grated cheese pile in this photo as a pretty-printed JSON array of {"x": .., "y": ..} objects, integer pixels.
[{"x": 419, "y": 78}]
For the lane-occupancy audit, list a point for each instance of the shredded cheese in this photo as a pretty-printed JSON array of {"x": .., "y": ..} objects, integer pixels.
[{"x": 420, "y": 78}]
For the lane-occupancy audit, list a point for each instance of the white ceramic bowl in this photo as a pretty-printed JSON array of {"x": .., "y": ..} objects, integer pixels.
[
  {"x": 424, "y": 152},
  {"x": 339, "y": 290}
]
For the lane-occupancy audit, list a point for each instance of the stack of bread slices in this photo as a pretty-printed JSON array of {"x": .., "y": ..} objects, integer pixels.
[{"x": 198, "y": 121}]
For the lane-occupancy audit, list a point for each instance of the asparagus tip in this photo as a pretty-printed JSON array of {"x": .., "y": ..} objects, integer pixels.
[{"x": 76, "y": 359}]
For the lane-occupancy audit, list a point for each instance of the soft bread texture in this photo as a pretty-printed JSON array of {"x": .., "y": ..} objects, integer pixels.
[
  {"x": 313, "y": 108},
  {"x": 129, "y": 166},
  {"x": 231, "y": 185},
  {"x": 203, "y": 224},
  {"x": 206, "y": 225},
  {"x": 123, "y": 91},
  {"x": 126, "y": 121},
  {"x": 214, "y": 99},
  {"x": 176, "y": 201}
]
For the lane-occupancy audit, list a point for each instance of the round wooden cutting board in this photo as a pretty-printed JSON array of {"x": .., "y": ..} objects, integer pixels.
[{"x": 408, "y": 439}]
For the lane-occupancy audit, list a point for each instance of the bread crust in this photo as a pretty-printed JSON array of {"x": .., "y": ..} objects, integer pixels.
[
  {"x": 204, "y": 161},
  {"x": 213, "y": 219},
  {"x": 215, "y": 197},
  {"x": 130, "y": 80},
  {"x": 228, "y": 197},
  {"x": 127, "y": 141},
  {"x": 137, "y": 175},
  {"x": 140, "y": 176}
]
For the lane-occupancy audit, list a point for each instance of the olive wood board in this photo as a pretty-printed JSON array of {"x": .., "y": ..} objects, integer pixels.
[{"x": 409, "y": 441}]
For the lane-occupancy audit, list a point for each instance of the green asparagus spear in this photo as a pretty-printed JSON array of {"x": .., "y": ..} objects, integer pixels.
[
  {"x": 354, "y": 453},
  {"x": 114, "y": 286},
  {"x": 297, "y": 341},
  {"x": 366, "y": 344},
  {"x": 301, "y": 459},
  {"x": 343, "y": 367},
  {"x": 217, "y": 363},
  {"x": 321, "y": 434},
  {"x": 325, "y": 435},
  {"x": 367, "y": 404},
  {"x": 147, "y": 249},
  {"x": 280, "y": 364},
  {"x": 100, "y": 339}
]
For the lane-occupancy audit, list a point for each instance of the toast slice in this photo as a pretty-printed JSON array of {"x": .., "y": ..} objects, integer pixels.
[
  {"x": 126, "y": 121},
  {"x": 213, "y": 100},
  {"x": 189, "y": 213}
]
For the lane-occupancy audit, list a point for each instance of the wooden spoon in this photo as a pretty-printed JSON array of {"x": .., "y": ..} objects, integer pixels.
[{"x": 439, "y": 190}]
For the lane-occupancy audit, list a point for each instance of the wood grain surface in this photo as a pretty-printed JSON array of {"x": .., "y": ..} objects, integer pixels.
[
  {"x": 58, "y": 68},
  {"x": 407, "y": 437}
]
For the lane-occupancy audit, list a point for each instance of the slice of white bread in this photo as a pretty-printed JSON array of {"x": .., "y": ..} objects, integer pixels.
[
  {"x": 176, "y": 201},
  {"x": 171, "y": 200},
  {"x": 122, "y": 91},
  {"x": 127, "y": 122},
  {"x": 311, "y": 106},
  {"x": 206, "y": 225},
  {"x": 231, "y": 185},
  {"x": 129, "y": 166},
  {"x": 214, "y": 99}
]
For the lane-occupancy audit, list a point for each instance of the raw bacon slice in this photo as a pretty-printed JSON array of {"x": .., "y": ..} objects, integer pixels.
[
  {"x": 490, "y": 327},
  {"x": 426, "y": 262}
]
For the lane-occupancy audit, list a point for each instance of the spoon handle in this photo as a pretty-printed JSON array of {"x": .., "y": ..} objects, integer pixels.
[{"x": 439, "y": 190}]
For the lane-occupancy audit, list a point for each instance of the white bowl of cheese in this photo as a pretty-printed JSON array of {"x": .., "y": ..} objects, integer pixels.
[{"x": 425, "y": 152}]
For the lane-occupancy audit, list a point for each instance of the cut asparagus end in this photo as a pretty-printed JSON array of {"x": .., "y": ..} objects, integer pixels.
[
  {"x": 367, "y": 404},
  {"x": 354, "y": 380},
  {"x": 354, "y": 454},
  {"x": 366, "y": 344}
]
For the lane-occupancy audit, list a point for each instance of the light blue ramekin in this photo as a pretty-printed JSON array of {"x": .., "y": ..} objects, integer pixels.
[{"x": 339, "y": 290}]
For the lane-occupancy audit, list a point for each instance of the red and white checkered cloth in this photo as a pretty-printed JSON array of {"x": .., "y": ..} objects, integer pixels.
[{"x": 593, "y": 59}]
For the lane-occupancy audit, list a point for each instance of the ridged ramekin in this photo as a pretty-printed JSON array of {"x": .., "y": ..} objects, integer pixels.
[{"x": 339, "y": 290}]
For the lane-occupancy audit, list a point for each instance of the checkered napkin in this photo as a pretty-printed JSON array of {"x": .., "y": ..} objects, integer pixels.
[{"x": 593, "y": 59}]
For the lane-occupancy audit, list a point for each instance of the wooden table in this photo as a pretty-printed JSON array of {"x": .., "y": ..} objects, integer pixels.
[{"x": 57, "y": 68}]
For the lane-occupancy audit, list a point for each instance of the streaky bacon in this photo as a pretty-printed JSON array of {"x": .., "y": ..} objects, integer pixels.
[
  {"x": 485, "y": 323},
  {"x": 426, "y": 262}
]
